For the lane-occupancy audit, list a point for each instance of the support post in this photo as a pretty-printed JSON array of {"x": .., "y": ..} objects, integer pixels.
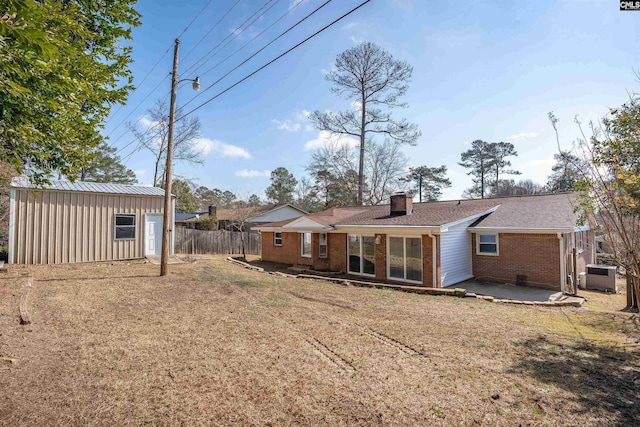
[{"x": 166, "y": 224}]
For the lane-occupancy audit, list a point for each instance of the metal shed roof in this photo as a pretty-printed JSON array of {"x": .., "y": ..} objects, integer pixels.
[{"x": 90, "y": 187}]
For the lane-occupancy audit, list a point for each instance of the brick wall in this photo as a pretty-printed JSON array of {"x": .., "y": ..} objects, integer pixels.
[
  {"x": 381, "y": 257},
  {"x": 337, "y": 251},
  {"x": 289, "y": 252},
  {"x": 536, "y": 256},
  {"x": 427, "y": 261}
]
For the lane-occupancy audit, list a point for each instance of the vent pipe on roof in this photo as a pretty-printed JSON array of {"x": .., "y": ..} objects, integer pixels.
[{"x": 401, "y": 204}]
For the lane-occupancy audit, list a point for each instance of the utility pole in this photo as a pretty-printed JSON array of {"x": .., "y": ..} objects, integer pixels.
[{"x": 167, "y": 225}]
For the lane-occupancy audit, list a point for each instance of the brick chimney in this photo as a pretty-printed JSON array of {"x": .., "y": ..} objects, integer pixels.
[
  {"x": 401, "y": 204},
  {"x": 212, "y": 211}
]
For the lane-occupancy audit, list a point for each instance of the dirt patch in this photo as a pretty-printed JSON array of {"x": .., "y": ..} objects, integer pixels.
[{"x": 213, "y": 343}]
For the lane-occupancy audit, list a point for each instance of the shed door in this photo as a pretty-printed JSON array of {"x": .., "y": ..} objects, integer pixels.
[
  {"x": 455, "y": 254},
  {"x": 153, "y": 234}
]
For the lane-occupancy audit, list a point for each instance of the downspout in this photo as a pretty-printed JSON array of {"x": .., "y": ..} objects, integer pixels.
[
  {"x": 563, "y": 276},
  {"x": 434, "y": 268}
]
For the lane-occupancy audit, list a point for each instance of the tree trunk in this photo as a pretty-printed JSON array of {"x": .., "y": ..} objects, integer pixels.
[
  {"x": 633, "y": 291},
  {"x": 361, "y": 166}
]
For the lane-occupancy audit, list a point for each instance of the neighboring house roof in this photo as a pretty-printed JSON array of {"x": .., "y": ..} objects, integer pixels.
[
  {"x": 539, "y": 212},
  {"x": 183, "y": 216},
  {"x": 90, "y": 187},
  {"x": 260, "y": 217},
  {"x": 235, "y": 213}
]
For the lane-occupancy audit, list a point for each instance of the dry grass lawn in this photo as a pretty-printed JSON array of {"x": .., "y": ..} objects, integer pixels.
[{"x": 215, "y": 344}]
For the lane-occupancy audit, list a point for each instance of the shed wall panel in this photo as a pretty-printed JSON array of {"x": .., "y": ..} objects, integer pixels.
[{"x": 53, "y": 227}]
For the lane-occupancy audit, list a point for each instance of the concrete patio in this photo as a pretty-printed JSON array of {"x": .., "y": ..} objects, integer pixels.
[{"x": 507, "y": 291}]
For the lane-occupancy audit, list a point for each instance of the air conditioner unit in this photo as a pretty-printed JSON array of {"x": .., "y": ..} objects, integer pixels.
[{"x": 601, "y": 277}]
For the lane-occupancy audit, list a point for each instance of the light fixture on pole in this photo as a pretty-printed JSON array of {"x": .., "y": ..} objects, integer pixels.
[{"x": 168, "y": 218}]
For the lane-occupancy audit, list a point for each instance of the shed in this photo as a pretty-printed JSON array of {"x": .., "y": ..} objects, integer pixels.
[{"x": 66, "y": 222}]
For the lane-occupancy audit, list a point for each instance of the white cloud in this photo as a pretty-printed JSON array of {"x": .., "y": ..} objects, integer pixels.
[
  {"x": 325, "y": 139},
  {"x": 303, "y": 115},
  {"x": 295, "y": 124},
  {"x": 246, "y": 173},
  {"x": 287, "y": 125},
  {"x": 147, "y": 122},
  {"x": 206, "y": 146},
  {"x": 521, "y": 136},
  {"x": 357, "y": 105}
]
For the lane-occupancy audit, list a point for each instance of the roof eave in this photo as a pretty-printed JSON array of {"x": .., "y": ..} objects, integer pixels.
[{"x": 520, "y": 230}]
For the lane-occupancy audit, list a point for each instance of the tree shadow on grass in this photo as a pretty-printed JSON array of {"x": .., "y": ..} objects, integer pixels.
[{"x": 604, "y": 380}]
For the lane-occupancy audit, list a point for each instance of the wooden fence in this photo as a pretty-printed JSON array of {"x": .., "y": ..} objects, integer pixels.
[{"x": 190, "y": 241}]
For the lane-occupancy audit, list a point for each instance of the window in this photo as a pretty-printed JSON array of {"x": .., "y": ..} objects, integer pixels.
[
  {"x": 487, "y": 244},
  {"x": 405, "y": 258},
  {"x": 277, "y": 238},
  {"x": 322, "y": 246},
  {"x": 125, "y": 226},
  {"x": 580, "y": 241},
  {"x": 362, "y": 254},
  {"x": 305, "y": 245}
]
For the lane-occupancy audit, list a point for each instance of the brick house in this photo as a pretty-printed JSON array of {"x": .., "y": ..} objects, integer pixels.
[{"x": 527, "y": 240}]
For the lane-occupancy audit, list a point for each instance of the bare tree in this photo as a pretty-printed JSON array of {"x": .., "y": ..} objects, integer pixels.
[
  {"x": 241, "y": 213},
  {"x": 373, "y": 79},
  {"x": 333, "y": 169},
  {"x": 385, "y": 166},
  {"x": 155, "y": 139}
]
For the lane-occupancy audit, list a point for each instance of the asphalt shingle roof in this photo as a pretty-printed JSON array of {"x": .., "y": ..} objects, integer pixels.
[
  {"x": 533, "y": 212},
  {"x": 550, "y": 211}
]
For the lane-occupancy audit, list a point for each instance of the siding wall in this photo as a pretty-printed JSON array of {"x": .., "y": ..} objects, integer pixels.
[
  {"x": 53, "y": 227},
  {"x": 455, "y": 257},
  {"x": 536, "y": 256}
]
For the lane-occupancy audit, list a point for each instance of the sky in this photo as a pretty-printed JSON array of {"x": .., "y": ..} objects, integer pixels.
[{"x": 489, "y": 70}]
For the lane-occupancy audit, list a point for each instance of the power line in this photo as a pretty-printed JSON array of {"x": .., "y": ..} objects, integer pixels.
[
  {"x": 194, "y": 19},
  {"x": 151, "y": 70},
  {"x": 134, "y": 109},
  {"x": 274, "y": 60},
  {"x": 258, "y": 51},
  {"x": 212, "y": 28},
  {"x": 140, "y": 84},
  {"x": 235, "y": 33},
  {"x": 291, "y": 9}
]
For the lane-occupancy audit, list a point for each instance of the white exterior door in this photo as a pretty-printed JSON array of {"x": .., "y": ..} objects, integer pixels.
[
  {"x": 153, "y": 234},
  {"x": 455, "y": 254}
]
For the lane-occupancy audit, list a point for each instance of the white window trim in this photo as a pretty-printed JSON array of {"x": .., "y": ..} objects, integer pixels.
[
  {"x": 302, "y": 254},
  {"x": 404, "y": 258},
  {"x": 580, "y": 241},
  {"x": 275, "y": 238},
  {"x": 497, "y": 253},
  {"x": 134, "y": 226},
  {"x": 361, "y": 256},
  {"x": 326, "y": 245}
]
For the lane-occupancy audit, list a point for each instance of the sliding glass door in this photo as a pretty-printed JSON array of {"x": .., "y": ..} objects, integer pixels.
[
  {"x": 405, "y": 258},
  {"x": 362, "y": 254}
]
